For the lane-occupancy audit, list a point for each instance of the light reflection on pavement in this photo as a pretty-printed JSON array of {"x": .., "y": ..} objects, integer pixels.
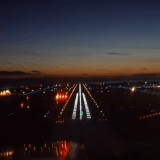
[{"x": 60, "y": 150}]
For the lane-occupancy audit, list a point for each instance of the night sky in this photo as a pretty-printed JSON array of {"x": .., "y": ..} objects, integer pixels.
[{"x": 79, "y": 38}]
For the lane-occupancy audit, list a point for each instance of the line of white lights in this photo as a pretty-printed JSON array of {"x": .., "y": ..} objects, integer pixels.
[
  {"x": 75, "y": 107},
  {"x": 61, "y": 112},
  {"x": 80, "y": 101},
  {"x": 86, "y": 106},
  {"x": 93, "y": 99}
]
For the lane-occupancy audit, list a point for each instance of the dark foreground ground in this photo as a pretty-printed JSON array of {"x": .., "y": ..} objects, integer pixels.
[
  {"x": 26, "y": 134},
  {"x": 85, "y": 140}
]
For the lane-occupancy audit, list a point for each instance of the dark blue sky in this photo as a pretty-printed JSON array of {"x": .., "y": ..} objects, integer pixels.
[{"x": 102, "y": 38}]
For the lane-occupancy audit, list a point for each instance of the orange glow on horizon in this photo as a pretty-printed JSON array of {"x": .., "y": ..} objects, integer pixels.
[{"x": 96, "y": 68}]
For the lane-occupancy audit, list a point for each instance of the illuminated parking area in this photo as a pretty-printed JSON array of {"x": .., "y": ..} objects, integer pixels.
[
  {"x": 80, "y": 102},
  {"x": 75, "y": 107},
  {"x": 86, "y": 106}
]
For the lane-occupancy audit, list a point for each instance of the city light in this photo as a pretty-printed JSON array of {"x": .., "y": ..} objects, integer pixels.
[
  {"x": 6, "y": 154},
  {"x": 133, "y": 89},
  {"x": 5, "y": 93},
  {"x": 61, "y": 96},
  {"x": 62, "y": 110}
]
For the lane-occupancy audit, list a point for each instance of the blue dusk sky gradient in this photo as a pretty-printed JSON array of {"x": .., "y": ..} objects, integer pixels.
[{"x": 80, "y": 37}]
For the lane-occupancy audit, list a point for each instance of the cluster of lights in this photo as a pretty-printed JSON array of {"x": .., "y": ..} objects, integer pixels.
[
  {"x": 61, "y": 149},
  {"x": 61, "y": 96},
  {"x": 149, "y": 115},
  {"x": 86, "y": 106},
  {"x": 5, "y": 93},
  {"x": 75, "y": 107},
  {"x": 93, "y": 99},
  {"x": 62, "y": 110},
  {"x": 22, "y": 106},
  {"x": 6, "y": 154},
  {"x": 29, "y": 148},
  {"x": 39, "y": 90}
]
